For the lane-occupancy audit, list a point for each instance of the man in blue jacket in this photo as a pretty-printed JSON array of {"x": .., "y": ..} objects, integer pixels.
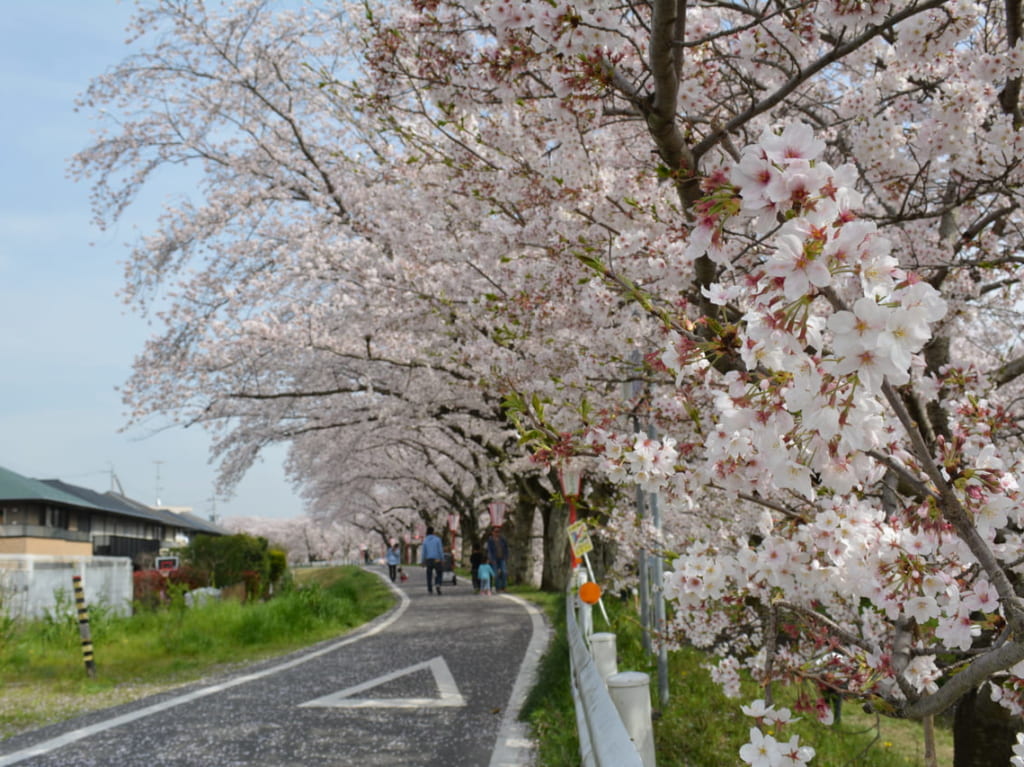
[
  {"x": 497, "y": 555},
  {"x": 432, "y": 554}
]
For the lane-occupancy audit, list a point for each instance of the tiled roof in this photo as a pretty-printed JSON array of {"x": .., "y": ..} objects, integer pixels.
[
  {"x": 107, "y": 502},
  {"x": 175, "y": 518},
  {"x": 15, "y": 487},
  {"x": 200, "y": 525}
]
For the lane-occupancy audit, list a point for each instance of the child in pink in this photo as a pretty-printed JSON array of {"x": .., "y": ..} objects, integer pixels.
[{"x": 485, "y": 575}]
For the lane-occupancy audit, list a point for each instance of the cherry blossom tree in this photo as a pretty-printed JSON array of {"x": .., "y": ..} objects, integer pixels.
[
  {"x": 795, "y": 225},
  {"x": 305, "y": 539},
  {"x": 286, "y": 312},
  {"x": 813, "y": 200}
]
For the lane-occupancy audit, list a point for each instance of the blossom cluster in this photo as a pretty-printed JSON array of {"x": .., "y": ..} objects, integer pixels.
[
  {"x": 763, "y": 749},
  {"x": 1017, "y": 760},
  {"x": 829, "y": 319},
  {"x": 646, "y": 461}
]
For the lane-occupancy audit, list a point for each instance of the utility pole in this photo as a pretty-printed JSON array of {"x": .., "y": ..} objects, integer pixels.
[
  {"x": 650, "y": 565},
  {"x": 656, "y": 576},
  {"x": 158, "y": 488},
  {"x": 634, "y": 391}
]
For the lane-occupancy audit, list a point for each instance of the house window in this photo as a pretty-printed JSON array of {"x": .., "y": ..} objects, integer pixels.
[
  {"x": 57, "y": 518},
  {"x": 23, "y": 516}
]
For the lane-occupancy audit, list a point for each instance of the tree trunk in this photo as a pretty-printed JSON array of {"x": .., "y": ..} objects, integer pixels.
[
  {"x": 983, "y": 731},
  {"x": 517, "y": 533},
  {"x": 603, "y": 556},
  {"x": 555, "y": 574},
  {"x": 931, "y": 758}
]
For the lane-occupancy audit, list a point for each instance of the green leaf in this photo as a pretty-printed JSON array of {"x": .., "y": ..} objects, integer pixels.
[{"x": 538, "y": 407}]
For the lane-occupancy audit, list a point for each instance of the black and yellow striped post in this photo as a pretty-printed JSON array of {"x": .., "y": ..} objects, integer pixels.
[{"x": 83, "y": 626}]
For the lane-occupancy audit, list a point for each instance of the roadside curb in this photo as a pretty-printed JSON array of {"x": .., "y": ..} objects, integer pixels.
[{"x": 514, "y": 748}]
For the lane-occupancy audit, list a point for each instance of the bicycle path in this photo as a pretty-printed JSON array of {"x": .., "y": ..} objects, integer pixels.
[{"x": 438, "y": 681}]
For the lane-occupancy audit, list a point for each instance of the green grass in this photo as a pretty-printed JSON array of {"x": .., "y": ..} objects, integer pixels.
[
  {"x": 43, "y": 677},
  {"x": 698, "y": 726},
  {"x": 549, "y": 706}
]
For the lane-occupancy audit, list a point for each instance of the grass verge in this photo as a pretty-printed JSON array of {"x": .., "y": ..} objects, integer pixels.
[
  {"x": 42, "y": 675},
  {"x": 698, "y": 726}
]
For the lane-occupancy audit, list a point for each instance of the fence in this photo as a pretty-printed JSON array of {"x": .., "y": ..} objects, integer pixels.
[
  {"x": 29, "y": 583},
  {"x": 613, "y": 709}
]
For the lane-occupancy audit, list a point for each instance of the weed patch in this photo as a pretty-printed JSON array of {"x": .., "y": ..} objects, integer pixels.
[{"x": 42, "y": 676}]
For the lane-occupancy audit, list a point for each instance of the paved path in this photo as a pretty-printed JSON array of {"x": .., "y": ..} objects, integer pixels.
[{"x": 436, "y": 682}]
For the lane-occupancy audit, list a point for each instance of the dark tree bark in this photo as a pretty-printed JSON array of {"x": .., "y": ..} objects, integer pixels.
[
  {"x": 536, "y": 495},
  {"x": 983, "y": 731},
  {"x": 555, "y": 573},
  {"x": 602, "y": 558},
  {"x": 517, "y": 533}
]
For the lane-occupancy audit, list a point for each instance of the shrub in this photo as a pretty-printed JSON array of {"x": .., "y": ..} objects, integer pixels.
[
  {"x": 8, "y": 624},
  {"x": 278, "y": 561},
  {"x": 59, "y": 624},
  {"x": 253, "y": 585},
  {"x": 189, "y": 577},
  {"x": 228, "y": 557},
  {"x": 149, "y": 589}
]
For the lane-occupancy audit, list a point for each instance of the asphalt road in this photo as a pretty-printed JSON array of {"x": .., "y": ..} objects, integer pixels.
[{"x": 436, "y": 682}]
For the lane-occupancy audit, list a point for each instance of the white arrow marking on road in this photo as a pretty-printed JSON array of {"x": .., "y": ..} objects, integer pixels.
[{"x": 449, "y": 694}]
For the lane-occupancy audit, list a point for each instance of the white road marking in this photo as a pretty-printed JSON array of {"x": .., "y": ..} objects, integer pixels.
[
  {"x": 513, "y": 747},
  {"x": 448, "y": 692},
  {"x": 84, "y": 732}
]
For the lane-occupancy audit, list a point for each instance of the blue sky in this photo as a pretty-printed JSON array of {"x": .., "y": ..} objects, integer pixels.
[{"x": 66, "y": 341}]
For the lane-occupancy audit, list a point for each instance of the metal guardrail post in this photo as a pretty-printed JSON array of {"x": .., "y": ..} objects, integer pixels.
[
  {"x": 586, "y": 619},
  {"x": 630, "y": 692},
  {"x": 602, "y": 647},
  {"x": 604, "y": 738}
]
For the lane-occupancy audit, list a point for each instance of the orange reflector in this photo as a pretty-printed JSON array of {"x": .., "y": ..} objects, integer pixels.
[{"x": 590, "y": 592}]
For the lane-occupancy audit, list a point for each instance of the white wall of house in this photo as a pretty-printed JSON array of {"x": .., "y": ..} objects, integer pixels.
[{"x": 30, "y": 583}]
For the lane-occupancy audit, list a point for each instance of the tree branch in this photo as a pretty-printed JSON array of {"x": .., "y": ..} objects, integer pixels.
[{"x": 837, "y": 53}]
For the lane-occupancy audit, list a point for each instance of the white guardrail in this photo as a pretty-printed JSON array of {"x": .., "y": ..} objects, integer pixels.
[{"x": 613, "y": 709}]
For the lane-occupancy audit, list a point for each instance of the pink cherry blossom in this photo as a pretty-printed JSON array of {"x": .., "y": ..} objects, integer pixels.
[
  {"x": 761, "y": 751},
  {"x": 797, "y": 141},
  {"x": 792, "y": 754},
  {"x": 799, "y": 271},
  {"x": 983, "y": 597}
]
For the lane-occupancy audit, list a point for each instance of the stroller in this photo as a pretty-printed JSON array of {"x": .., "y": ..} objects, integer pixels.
[{"x": 448, "y": 569}]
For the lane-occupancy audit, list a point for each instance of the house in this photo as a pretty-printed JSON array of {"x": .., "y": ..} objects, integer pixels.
[
  {"x": 51, "y": 530},
  {"x": 56, "y": 518}
]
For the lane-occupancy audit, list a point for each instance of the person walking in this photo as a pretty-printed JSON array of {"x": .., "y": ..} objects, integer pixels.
[
  {"x": 432, "y": 553},
  {"x": 475, "y": 560},
  {"x": 394, "y": 559},
  {"x": 497, "y": 555},
  {"x": 485, "y": 575}
]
